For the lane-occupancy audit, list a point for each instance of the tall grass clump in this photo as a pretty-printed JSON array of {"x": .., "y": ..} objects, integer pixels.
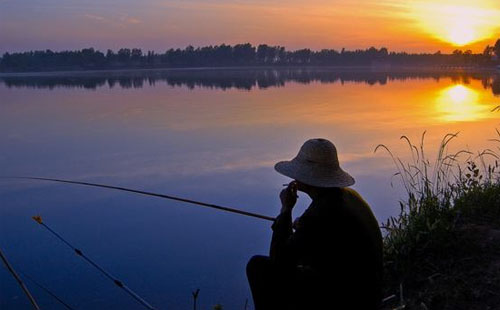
[
  {"x": 440, "y": 195},
  {"x": 477, "y": 195}
]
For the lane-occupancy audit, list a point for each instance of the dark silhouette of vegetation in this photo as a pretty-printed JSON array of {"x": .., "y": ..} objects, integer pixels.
[
  {"x": 230, "y": 56},
  {"x": 497, "y": 48},
  {"x": 239, "y": 78},
  {"x": 442, "y": 251}
]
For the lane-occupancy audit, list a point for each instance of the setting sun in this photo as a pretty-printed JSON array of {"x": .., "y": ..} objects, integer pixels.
[
  {"x": 455, "y": 23},
  {"x": 461, "y": 35}
]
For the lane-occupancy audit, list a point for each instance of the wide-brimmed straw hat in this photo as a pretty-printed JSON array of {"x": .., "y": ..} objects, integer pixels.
[{"x": 316, "y": 164}]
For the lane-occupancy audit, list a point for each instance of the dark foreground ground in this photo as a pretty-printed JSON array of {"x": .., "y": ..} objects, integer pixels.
[
  {"x": 445, "y": 252},
  {"x": 468, "y": 278}
]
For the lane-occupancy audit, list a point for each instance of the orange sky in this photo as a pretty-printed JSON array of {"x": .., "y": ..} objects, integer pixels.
[{"x": 410, "y": 25}]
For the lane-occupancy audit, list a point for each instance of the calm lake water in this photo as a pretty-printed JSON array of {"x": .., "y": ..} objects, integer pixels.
[{"x": 211, "y": 135}]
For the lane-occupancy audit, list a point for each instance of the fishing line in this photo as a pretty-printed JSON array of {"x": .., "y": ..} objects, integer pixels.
[
  {"x": 204, "y": 204},
  {"x": 78, "y": 252}
]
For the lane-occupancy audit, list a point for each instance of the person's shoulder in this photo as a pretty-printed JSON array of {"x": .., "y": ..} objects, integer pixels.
[
  {"x": 355, "y": 203},
  {"x": 352, "y": 194},
  {"x": 360, "y": 209}
]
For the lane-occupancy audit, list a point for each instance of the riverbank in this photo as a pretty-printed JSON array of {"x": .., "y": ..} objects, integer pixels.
[
  {"x": 465, "y": 274},
  {"x": 377, "y": 69},
  {"x": 244, "y": 54},
  {"x": 443, "y": 250}
]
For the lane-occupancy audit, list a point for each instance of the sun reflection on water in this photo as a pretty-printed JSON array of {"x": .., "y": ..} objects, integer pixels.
[{"x": 460, "y": 103}]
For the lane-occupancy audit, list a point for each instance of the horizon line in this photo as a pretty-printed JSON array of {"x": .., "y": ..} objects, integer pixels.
[{"x": 195, "y": 47}]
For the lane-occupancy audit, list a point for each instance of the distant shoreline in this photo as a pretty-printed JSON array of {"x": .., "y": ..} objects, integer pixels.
[
  {"x": 246, "y": 55},
  {"x": 381, "y": 69}
]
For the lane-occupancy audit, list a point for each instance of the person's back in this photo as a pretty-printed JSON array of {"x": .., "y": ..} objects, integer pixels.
[
  {"x": 333, "y": 259},
  {"x": 357, "y": 251},
  {"x": 338, "y": 247}
]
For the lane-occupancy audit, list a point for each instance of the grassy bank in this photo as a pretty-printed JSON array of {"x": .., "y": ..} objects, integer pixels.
[{"x": 443, "y": 250}]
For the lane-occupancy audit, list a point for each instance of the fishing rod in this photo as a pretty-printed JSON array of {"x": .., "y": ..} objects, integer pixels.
[
  {"x": 19, "y": 281},
  {"x": 23, "y": 286},
  {"x": 53, "y": 295},
  {"x": 140, "y": 192},
  {"x": 78, "y": 252}
]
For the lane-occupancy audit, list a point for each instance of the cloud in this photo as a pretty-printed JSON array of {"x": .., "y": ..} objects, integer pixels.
[
  {"x": 94, "y": 17},
  {"x": 126, "y": 19},
  {"x": 121, "y": 20},
  {"x": 134, "y": 21}
]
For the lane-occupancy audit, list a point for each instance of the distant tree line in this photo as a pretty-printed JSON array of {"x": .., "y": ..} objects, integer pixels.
[{"x": 237, "y": 55}]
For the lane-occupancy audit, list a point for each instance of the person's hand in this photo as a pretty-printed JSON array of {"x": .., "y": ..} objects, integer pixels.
[
  {"x": 288, "y": 197},
  {"x": 296, "y": 224}
]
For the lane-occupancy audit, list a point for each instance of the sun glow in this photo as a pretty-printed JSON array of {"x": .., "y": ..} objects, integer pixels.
[
  {"x": 458, "y": 24},
  {"x": 460, "y": 103}
]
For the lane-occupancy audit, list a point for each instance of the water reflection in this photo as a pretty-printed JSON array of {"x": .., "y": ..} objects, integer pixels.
[
  {"x": 244, "y": 79},
  {"x": 196, "y": 134},
  {"x": 461, "y": 103}
]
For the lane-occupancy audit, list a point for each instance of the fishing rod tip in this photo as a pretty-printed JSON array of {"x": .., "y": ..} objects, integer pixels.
[{"x": 37, "y": 219}]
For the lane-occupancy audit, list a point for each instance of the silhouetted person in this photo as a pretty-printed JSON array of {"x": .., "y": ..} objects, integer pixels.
[{"x": 332, "y": 257}]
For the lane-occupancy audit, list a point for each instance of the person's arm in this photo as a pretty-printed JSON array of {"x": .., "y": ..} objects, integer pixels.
[
  {"x": 284, "y": 243},
  {"x": 282, "y": 232}
]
